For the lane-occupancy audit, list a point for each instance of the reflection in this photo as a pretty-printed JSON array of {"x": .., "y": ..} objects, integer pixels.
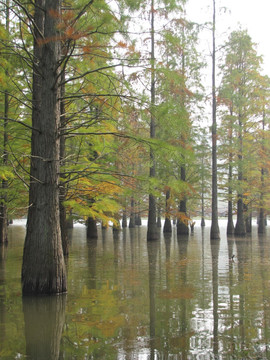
[
  {"x": 187, "y": 294},
  {"x": 264, "y": 257},
  {"x": 231, "y": 256},
  {"x": 242, "y": 246},
  {"x": 116, "y": 255},
  {"x": 92, "y": 260},
  {"x": 3, "y": 254},
  {"x": 152, "y": 249},
  {"x": 44, "y": 320},
  {"x": 215, "y": 245}
]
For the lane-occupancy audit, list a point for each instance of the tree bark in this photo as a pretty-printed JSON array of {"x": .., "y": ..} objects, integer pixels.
[
  {"x": 43, "y": 270},
  {"x": 62, "y": 188},
  {"x": 3, "y": 204},
  {"x": 167, "y": 228},
  {"x": 214, "y": 232},
  {"x": 152, "y": 231}
]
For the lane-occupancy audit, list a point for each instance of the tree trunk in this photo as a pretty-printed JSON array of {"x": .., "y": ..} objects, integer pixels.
[
  {"x": 167, "y": 228},
  {"x": 3, "y": 204},
  {"x": 182, "y": 224},
  {"x": 240, "y": 229},
  {"x": 91, "y": 231},
  {"x": 152, "y": 232},
  {"x": 43, "y": 270},
  {"x": 132, "y": 214},
  {"x": 230, "y": 225},
  {"x": 62, "y": 188},
  {"x": 214, "y": 232}
]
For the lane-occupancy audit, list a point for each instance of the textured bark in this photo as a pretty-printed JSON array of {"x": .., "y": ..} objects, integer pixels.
[
  {"x": 62, "y": 190},
  {"x": 43, "y": 270},
  {"x": 214, "y": 231}
]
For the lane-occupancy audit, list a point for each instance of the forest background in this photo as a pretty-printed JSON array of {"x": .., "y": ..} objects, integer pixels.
[{"x": 105, "y": 118}]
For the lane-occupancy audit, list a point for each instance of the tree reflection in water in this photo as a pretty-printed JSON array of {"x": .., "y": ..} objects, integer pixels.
[{"x": 177, "y": 297}]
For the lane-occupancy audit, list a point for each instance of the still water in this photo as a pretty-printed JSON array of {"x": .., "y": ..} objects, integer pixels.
[{"x": 176, "y": 298}]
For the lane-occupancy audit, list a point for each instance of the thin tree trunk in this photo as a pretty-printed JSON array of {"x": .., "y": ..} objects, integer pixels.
[
  {"x": 261, "y": 220},
  {"x": 214, "y": 232},
  {"x": 240, "y": 229},
  {"x": 152, "y": 232},
  {"x": 43, "y": 270},
  {"x": 3, "y": 204},
  {"x": 62, "y": 188}
]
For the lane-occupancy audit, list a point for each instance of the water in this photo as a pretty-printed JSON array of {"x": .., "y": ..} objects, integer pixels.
[{"x": 128, "y": 299}]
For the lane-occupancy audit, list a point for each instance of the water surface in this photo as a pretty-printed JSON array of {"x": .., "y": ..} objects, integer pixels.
[{"x": 176, "y": 298}]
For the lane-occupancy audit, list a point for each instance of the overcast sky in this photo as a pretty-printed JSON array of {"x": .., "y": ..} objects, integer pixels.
[{"x": 251, "y": 15}]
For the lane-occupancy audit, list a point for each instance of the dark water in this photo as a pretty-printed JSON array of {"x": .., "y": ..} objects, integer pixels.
[{"x": 177, "y": 298}]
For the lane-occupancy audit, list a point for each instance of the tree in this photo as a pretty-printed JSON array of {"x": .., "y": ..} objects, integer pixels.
[
  {"x": 43, "y": 270},
  {"x": 240, "y": 83},
  {"x": 214, "y": 232}
]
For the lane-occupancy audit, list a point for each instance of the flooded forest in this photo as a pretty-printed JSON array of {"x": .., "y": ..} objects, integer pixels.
[{"x": 134, "y": 183}]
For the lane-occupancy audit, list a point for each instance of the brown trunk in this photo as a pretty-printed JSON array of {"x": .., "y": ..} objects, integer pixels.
[
  {"x": 240, "y": 229},
  {"x": 182, "y": 224},
  {"x": 132, "y": 214},
  {"x": 167, "y": 228},
  {"x": 62, "y": 188},
  {"x": 214, "y": 232},
  {"x": 152, "y": 231},
  {"x": 92, "y": 232},
  {"x": 3, "y": 206},
  {"x": 43, "y": 270}
]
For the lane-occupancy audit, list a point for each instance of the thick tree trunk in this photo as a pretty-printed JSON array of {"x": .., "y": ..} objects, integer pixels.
[
  {"x": 43, "y": 270},
  {"x": 214, "y": 232},
  {"x": 132, "y": 214},
  {"x": 91, "y": 230},
  {"x": 182, "y": 224},
  {"x": 261, "y": 221},
  {"x": 167, "y": 228},
  {"x": 240, "y": 229}
]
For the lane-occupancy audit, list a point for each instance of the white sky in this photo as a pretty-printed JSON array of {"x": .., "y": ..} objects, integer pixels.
[{"x": 251, "y": 15}]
